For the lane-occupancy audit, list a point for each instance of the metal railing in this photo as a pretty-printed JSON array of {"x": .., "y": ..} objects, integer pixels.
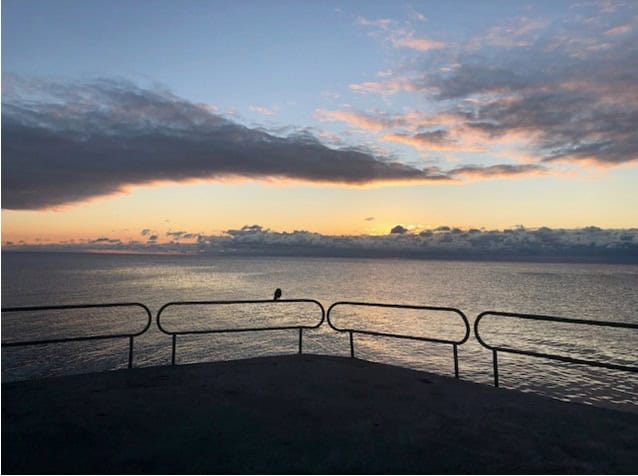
[
  {"x": 174, "y": 334},
  {"x": 453, "y": 343},
  {"x": 129, "y": 335},
  {"x": 562, "y": 358},
  {"x": 326, "y": 315}
]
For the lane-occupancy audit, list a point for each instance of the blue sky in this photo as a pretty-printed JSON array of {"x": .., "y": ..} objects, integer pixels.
[
  {"x": 293, "y": 56},
  {"x": 316, "y": 116}
]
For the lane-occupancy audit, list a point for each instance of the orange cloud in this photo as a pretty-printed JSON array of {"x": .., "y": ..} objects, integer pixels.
[
  {"x": 412, "y": 120},
  {"x": 392, "y": 86},
  {"x": 356, "y": 119},
  {"x": 591, "y": 161}
]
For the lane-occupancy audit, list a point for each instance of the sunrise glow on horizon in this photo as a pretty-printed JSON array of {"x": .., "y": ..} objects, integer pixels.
[{"x": 333, "y": 118}]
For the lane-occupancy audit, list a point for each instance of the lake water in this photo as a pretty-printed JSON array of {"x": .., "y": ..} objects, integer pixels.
[{"x": 588, "y": 291}]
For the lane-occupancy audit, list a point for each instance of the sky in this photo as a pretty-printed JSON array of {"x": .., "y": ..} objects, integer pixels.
[{"x": 201, "y": 124}]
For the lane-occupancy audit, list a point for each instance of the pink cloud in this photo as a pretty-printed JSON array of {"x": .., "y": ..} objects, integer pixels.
[
  {"x": 419, "y": 44},
  {"x": 262, "y": 110},
  {"x": 359, "y": 120},
  {"x": 619, "y": 30},
  {"x": 517, "y": 32},
  {"x": 380, "y": 23}
]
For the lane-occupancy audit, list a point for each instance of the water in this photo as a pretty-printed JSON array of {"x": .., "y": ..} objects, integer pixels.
[{"x": 589, "y": 291}]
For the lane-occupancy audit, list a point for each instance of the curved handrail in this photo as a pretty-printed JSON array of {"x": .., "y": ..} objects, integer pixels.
[
  {"x": 453, "y": 343},
  {"x": 174, "y": 334},
  {"x": 59, "y": 340},
  {"x": 562, "y": 358}
]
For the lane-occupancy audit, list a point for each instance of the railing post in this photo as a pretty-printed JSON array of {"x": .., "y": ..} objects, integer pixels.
[
  {"x": 453, "y": 343},
  {"x": 173, "y": 353},
  {"x": 174, "y": 334},
  {"x": 300, "y": 339},
  {"x": 495, "y": 363},
  {"x": 86, "y": 338},
  {"x": 351, "y": 345},
  {"x": 130, "y": 352}
]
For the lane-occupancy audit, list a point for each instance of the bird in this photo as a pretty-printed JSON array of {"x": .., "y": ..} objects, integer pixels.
[{"x": 277, "y": 294}]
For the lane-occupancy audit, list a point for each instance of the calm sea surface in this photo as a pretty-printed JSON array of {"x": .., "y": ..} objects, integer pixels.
[{"x": 589, "y": 291}]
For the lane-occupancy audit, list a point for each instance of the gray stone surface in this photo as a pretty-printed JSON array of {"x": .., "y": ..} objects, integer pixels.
[{"x": 301, "y": 414}]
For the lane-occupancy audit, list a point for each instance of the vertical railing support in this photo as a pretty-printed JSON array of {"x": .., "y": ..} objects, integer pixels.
[
  {"x": 174, "y": 345},
  {"x": 130, "y": 352},
  {"x": 495, "y": 363},
  {"x": 85, "y": 338},
  {"x": 453, "y": 343},
  {"x": 300, "y": 327},
  {"x": 300, "y": 339},
  {"x": 351, "y": 345}
]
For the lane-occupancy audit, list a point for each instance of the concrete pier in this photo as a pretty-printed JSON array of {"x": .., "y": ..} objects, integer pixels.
[{"x": 301, "y": 414}]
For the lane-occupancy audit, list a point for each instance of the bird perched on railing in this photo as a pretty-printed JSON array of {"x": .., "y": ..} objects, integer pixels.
[{"x": 277, "y": 294}]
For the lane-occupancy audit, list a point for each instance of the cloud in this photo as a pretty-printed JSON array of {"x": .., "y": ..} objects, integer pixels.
[
  {"x": 433, "y": 140},
  {"x": 262, "y": 110},
  {"x": 619, "y": 30},
  {"x": 471, "y": 79},
  {"x": 500, "y": 170},
  {"x": 416, "y": 43},
  {"x": 393, "y": 86},
  {"x": 588, "y": 244},
  {"x": 383, "y": 121},
  {"x": 363, "y": 121},
  {"x": 104, "y": 239},
  {"x": 517, "y": 32},
  {"x": 566, "y": 91},
  {"x": 178, "y": 235},
  {"x": 383, "y": 23},
  {"x": 398, "y": 230},
  {"x": 107, "y": 136},
  {"x": 401, "y": 37},
  {"x": 247, "y": 230},
  {"x": 418, "y": 16}
]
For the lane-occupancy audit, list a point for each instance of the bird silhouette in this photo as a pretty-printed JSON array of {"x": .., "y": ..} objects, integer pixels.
[{"x": 277, "y": 294}]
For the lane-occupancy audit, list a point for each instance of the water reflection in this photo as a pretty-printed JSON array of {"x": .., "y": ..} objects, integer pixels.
[{"x": 605, "y": 292}]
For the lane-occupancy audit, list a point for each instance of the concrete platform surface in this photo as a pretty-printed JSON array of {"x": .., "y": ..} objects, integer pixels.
[{"x": 301, "y": 414}]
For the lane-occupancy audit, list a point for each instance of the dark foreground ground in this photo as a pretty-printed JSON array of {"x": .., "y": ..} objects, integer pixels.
[{"x": 301, "y": 414}]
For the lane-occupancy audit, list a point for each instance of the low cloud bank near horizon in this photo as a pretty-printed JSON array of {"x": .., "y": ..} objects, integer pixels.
[{"x": 589, "y": 244}]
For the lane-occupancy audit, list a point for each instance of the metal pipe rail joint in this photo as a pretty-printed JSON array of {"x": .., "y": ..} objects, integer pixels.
[
  {"x": 130, "y": 336},
  {"x": 453, "y": 343},
  {"x": 174, "y": 334},
  {"x": 562, "y": 358}
]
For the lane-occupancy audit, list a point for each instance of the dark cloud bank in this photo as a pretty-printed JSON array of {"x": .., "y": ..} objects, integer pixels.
[
  {"x": 65, "y": 142},
  {"x": 590, "y": 244}
]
